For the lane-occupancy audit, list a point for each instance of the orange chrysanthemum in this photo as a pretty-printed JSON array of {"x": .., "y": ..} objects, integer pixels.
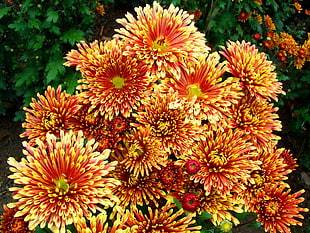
[
  {"x": 272, "y": 170},
  {"x": 11, "y": 224},
  {"x": 94, "y": 126},
  {"x": 226, "y": 160},
  {"x": 221, "y": 207},
  {"x": 136, "y": 190},
  {"x": 142, "y": 153},
  {"x": 256, "y": 119},
  {"x": 165, "y": 219},
  {"x": 167, "y": 116},
  {"x": 277, "y": 209},
  {"x": 61, "y": 180},
  {"x": 269, "y": 23},
  {"x": 50, "y": 114},
  {"x": 113, "y": 83},
  {"x": 203, "y": 82},
  {"x": 164, "y": 38},
  {"x": 254, "y": 71},
  {"x": 99, "y": 224},
  {"x": 243, "y": 16}
]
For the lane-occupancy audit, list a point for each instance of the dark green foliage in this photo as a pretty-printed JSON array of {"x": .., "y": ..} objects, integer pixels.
[{"x": 36, "y": 35}]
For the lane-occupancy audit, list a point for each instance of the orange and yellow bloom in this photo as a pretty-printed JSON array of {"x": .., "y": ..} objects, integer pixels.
[{"x": 61, "y": 180}]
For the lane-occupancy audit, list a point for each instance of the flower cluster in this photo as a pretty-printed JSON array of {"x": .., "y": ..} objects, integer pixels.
[{"x": 159, "y": 132}]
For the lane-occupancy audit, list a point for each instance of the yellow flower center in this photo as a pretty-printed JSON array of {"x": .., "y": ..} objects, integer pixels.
[
  {"x": 226, "y": 226},
  {"x": 272, "y": 208},
  {"x": 194, "y": 90},
  {"x": 160, "y": 44},
  {"x": 118, "y": 82},
  {"x": 62, "y": 187}
]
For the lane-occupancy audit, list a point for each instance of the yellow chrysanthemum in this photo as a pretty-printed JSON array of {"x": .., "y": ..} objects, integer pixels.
[
  {"x": 51, "y": 113},
  {"x": 61, "y": 180},
  {"x": 164, "y": 219},
  {"x": 163, "y": 38},
  {"x": 255, "y": 73},
  {"x": 112, "y": 82},
  {"x": 169, "y": 120}
]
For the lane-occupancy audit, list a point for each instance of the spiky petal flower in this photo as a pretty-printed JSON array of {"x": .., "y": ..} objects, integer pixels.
[
  {"x": 226, "y": 159},
  {"x": 136, "y": 190},
  {"x": 277, "y": 209},
  {"x": 51, "y": 113},
  {"x": 99, "y": 224},
  {"x": 142, "y": 153},
  {"x": 112, "y": 83},
  {"x": 165, "y": 219},
  {"x": 164, "y": 38},
  {"x": 203, "y": 80},
  {"x": 168, "y": 118},
  {"x": 11, "y": 224},
  {"x": 254, "y": 71},
  {"x": 61, "y": 180},
  {"x": 256, "y": 119}
]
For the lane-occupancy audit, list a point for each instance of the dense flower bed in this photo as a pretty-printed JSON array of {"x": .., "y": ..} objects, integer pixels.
[{"x": 162, "y": 135}]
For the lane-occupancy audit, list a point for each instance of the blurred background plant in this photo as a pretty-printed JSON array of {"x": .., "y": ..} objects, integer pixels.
[{"x": 35, "y": 36}]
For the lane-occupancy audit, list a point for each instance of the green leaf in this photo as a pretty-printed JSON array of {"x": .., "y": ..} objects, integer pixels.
[
  {"x": 177, "y": 203},
  {"x": 255, "y": 224},
  {"x": 56, "y": 30},
  {"x": 4, "y": 11},
  {"x": 18, "y": 26},
  {"x": 52, "y": 16},
  {"x": 283, "y": 77},
  {"x": 53, "y": 69},
  {"x": 26, "y": 76},
  {"x": 71, "y": 81},
  {"x": 72, "y": 36}
]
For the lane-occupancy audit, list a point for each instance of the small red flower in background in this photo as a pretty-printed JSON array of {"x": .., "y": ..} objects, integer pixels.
[
  {"x": 196, "y": 14},
  {"x": 192, "y": 166},
  {"x": 243, "y": 16},
  {"x": 190, "y": 202},
  {"x": 256, "y": 36}
]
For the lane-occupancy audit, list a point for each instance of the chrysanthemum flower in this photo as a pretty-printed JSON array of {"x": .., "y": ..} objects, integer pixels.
[
  {"x": 202, "y": 80},
  {"x": 99, "y": 224},
  {"x": 11, "y": 224},
  {"x": 172, "y": 177},
  {"x": 288, "y": 159},
  {"x": 62, "y": 179},
  {"x": 94, "y": 126},
  {"x": 163, "y": 38},
  {"x": 226, "y": 160},
  {"x": 168, "y": 118},
  {"x": 190, "y": 202},
  {"x": 277, "y": 209},
  {"x": 51, "y": 113},
  {"x": 192, "y": 166},
  {"x": 142, "y": 153},
  {"x": 256, "y": 119},
  {"x": 113, "y": 83},
  {"x": 243, "y": 16},
  {"x": 269, "y": 22},
  {"x": 273, "y": 170},
  {"x": 136, "y": 190},
  {"x": 254, "y": 71},
  {"x": 165, "y": 219}
]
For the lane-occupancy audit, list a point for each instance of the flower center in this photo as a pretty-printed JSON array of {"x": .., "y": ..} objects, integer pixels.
[
  {"x": 160, "y": 44},
  {"x": 62, "y": 187},
  {"x": 118, "y": 82},
  {"x": 194, "y": 90},
  {"x": 272, "y": 208}
]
